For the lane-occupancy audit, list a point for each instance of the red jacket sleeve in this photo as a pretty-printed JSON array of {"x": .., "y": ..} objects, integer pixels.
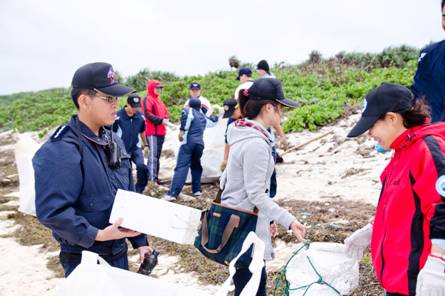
[{"x": 427, "y": 172}]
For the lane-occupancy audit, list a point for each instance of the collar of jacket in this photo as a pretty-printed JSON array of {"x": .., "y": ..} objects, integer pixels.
[
  {"x": 407, "y": 138},
  {"x": 244, "y": 122},
  {"x": 79, "y": 128}
]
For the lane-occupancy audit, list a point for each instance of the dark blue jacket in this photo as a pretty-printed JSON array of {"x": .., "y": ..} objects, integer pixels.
[
  {"x": 75, "y": 188},
  {"x": 429, "y": 80},
  {"x": 129, "y": 128},
  {"x": 194, "y": 122}
]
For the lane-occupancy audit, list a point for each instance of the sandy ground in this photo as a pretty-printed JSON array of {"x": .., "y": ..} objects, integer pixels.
[
  {"x": 332, "y": 167},
  {"x": 23, "y": 269}
]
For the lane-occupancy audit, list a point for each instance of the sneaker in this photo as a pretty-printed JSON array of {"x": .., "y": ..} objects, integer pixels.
[
  {"x": 197, "y": 193},
  {"x": 169, "y": 198}
]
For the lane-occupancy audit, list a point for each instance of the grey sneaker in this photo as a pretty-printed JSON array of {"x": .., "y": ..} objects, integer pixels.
[
  {"x": 197, "y": 194},
  {"x": 169, "y": 198}
]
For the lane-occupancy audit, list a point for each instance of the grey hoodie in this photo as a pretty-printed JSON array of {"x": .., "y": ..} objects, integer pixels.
[{"x": 246, "y": 179}]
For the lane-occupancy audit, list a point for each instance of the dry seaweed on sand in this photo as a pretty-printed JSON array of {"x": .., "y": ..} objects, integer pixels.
[{"x": 31, "y": 232}]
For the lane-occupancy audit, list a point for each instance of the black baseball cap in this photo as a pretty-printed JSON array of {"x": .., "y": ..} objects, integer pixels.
[
  {"x": 195, "y": 103},
  {"x": 263, "y": 65},
  {"x": 134, "y": 100},
  {"x": 388, "y": 97},
  {"x": 270, "y": 89},
  {"x": 99, "y": 77},
  {"x": 195, "y": 85},
  {"x": 229, "y": 106},
  {"x": 244, "y": 71}
]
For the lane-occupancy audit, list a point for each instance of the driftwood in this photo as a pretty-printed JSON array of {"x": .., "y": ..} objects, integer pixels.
[
  {"x": 204, "y": 180},
  {"x": 306, "y": 143}
]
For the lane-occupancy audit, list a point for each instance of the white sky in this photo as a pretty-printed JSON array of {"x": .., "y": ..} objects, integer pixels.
[{"x": 44, "y": 41}]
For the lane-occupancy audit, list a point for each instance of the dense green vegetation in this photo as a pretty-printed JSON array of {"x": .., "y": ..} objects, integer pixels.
[{"x": 327, "y": 87}]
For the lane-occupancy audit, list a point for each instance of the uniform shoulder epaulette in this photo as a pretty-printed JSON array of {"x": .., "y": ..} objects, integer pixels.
[{"x": 59, "y": 133}]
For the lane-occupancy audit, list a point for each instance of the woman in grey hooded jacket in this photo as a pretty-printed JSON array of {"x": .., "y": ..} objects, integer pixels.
[{"x": 250, "y": 165}]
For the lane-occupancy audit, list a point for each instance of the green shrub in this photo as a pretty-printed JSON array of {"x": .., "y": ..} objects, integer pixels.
[{"x": 325, "y": 86}]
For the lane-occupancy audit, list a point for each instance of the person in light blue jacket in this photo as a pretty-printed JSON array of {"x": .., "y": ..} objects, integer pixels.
[{"x": 191, "y": 134}]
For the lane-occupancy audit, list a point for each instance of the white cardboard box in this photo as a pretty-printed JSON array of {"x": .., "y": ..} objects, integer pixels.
[{"x": 153, "y": 216}]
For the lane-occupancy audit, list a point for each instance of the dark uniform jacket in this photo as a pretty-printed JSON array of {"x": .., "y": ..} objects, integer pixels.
[
  {"x": 429, "y": 79},
  {"x": 75, "y": 188}
]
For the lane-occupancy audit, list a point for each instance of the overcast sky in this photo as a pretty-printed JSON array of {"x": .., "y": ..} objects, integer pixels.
[{"x": 44, "y": 41}]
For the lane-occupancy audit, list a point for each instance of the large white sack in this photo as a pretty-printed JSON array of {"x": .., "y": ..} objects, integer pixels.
[
  {"x": 212, "y": 156},
  {"x": 92, "y": 279},
  {"x": 25, "y": 148},
  {"x": 255, "y": 267},
  {"x": 330, "y": 260},
  {"x": 153, "y": 216}
]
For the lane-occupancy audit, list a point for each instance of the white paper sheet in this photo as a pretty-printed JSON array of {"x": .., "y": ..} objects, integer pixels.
[{"x": 153, "y": 216}]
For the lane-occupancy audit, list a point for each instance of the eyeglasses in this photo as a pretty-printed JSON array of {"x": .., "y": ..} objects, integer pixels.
[
  {"x": 159, "y": 87},
  {"x": 108, "y": 99}
]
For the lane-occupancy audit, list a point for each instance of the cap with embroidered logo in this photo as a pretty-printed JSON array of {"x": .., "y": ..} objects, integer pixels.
[
  {"x": 388, "y": 97},
  {"x": 195, "y": 85},
  {"x": 134, "y": 100},
  {"x": 99, "y": 77},
  {"x": 229, "y": 106}
]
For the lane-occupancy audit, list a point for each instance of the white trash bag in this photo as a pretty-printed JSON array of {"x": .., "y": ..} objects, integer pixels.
[
  {"x": 255, "y": 267},
  {"x": 91, "y": 279},
  {"x": 212, "y": 156},
  {"x": 25, "y": 148},
  {"x": 339, "y": 272}
]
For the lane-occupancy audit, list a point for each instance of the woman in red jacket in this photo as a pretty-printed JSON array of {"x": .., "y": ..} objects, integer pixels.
[
  {"x": 407, "y": 236},
  {"x": 156, "y": 118}
]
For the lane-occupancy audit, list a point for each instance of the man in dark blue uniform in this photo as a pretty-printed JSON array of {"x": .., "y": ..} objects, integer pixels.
[
  {"x": 80, "y": 168},
  {"x": 429, "y": 80},
  {"x": 130, "y": 125}
]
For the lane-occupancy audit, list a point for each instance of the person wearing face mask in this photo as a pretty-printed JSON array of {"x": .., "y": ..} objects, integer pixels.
[
  {"x": 246, "y": 179},
  {"x": 407, "y": 235}
]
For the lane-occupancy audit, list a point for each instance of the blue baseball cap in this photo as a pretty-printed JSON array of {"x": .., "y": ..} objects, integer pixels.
[
  {"x": 244, "y": 71},
  {"x": 195, "y": 85}
]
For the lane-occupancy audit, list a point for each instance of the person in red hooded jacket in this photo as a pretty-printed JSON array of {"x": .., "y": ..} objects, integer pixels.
[
  {"x": 156, "y": 118},
  {"x": 407, "y": 235}
]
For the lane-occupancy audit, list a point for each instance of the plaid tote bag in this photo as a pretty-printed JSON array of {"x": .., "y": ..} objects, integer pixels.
[{"x": 222, "y": 233}]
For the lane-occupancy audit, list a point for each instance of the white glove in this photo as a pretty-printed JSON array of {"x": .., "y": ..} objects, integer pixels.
[
  {"x": 431, "y": 279},
  {"x": 357, "y": 242}
]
